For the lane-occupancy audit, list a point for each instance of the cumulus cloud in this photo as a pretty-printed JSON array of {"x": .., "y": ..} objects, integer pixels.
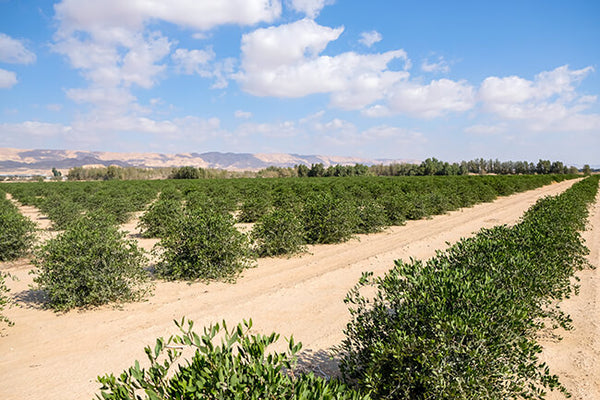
[
  {"x": 202, "y": 62},
  {"x": 311, "y": 8},
  {"x": 438, "y": 66},
  {"x": 370, "y": 38},
  {"x": 286, "y": 61},
  {"x": 7, "y": 79},
  {"x": 548, "y": 102},
  {"x": 91, "y": 15},
  {"x": 13, "y": 51},
  {"x": 192, "y": 61},
  {"x": 432, "y": 100},
  {"x": 112, "y": 44}
]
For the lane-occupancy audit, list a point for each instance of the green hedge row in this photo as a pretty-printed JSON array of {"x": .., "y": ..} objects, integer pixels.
[{"x": 464, "y": 324}]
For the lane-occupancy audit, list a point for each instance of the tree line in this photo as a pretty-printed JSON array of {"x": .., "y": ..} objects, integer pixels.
[{"x": 431, "y": 166}]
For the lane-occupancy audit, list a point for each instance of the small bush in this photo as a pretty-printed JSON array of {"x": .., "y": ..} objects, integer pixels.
[
  {"x": 253, "y": 208},
  {"x": 372, "y": 217},
  {"x": 206, "y": 246},
  {"x": 328, "y": 219},
  {"x": 238, "y": 368},
  {"x": 16, "y": 232},
  {"x": 160, "y": 218},
  {"x": 278, "y": 232},
  {"x": 90, "y": 264}
]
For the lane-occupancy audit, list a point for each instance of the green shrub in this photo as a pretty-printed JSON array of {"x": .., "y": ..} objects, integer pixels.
[
  {"x": 253, "y": 208},
  {"x": 238, "y": 368},
  {"x": 328, "y": 219},
  {"x": 91, "y": 263},
  {"x": 206, "y": 245},
  {"x": 278, "y": 232},
  {"x": 160, "y": 218},
  {"x": 16, "y": 232},
  {"x": 372, "y": 217}
]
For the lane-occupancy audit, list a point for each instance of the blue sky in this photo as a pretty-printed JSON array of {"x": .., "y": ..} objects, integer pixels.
[{"x": 514, "y": 80}]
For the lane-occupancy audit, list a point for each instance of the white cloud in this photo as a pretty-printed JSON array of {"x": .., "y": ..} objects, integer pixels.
[
  {"x": 370, "y": 38},
  {"x": 192, "y": 61},
  {"x": 34, "y": 129},
  {"x": 285, "y": 61},
  {"x": 243, "y": 114},
  {"x": 13, "y": 51},
  {"x": 92, "y": 15},
  {"x": 111, "y": 44},
  {"x": 311, "y": 8},
  {"x": 439, "y": 66},
  {"x": 7, "y": 79},
  {"x": 202, "y": 62},
  {"x": 433, "y": 100},
  {"x": 548, "y": 103}
]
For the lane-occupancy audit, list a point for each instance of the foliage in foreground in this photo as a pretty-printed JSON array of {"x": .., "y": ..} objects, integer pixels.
[
  {"x": 206, "y": 245},
  {"x": 4, "y": 299},
  {"x": 16, "y": 231},
  {"x": 91, "y": 263},
  {"x": 238, "y": 368},
  {"x": 463, "y": 325}
]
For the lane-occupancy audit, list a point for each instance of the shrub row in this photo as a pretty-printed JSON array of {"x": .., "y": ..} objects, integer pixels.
[
  {"x": 401, "y": 197},
  {"x": 464, "y": 324},
  {"x": 16, "y": 231}
]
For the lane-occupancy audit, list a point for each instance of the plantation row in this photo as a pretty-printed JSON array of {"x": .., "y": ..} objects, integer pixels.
[
  {"x": 92, "y": 263},
  {"x": 355, "y": 205},
  {"x": 462, "y": 325},
  {"x": 16, "y": 238}
]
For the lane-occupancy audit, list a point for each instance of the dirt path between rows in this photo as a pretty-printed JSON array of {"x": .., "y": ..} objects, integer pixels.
[{"x": 52, "y": 356}]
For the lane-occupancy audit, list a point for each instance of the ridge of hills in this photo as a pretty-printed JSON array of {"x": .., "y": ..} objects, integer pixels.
[{"x": 41, "y": 161}]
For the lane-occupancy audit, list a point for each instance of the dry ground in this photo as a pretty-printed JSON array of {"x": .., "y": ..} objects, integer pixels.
[{"x": 58, "y": 356}]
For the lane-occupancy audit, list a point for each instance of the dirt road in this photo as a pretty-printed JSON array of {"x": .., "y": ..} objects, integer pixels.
[{"x": 53, "y": 356}]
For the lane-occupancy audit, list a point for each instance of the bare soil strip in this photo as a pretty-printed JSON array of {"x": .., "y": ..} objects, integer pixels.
[{"x": 58, "y": 356}]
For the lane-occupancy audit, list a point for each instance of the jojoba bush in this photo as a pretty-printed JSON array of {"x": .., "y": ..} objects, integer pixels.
[
  {"x": 16, "y": 232},
  {"x": 328, "y": 219},
  {"x": 160, "y": 217},
  {"x": 240, "y": 367},
  {"x": 278, "y": 232},
  {"x": 89, "y": 264},
  {"x": 206, "y": 245}
]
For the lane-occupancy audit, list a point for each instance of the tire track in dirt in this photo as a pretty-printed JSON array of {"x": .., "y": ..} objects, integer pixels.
[{"x": 52, "y": 356}]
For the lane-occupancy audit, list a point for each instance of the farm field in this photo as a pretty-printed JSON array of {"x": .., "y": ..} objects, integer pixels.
[{"x": 49, "y": 355}]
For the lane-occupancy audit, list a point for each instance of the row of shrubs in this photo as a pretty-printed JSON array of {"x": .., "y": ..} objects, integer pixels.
[
  {"x": 16, "y": 238},
  {"x": 462, "y": 325},
  {"x": 199, "y": 240},
  {"x": 401, "y": 198},
  {"x": 289, "y": 217},
  {"x": 465, "y": 324}
]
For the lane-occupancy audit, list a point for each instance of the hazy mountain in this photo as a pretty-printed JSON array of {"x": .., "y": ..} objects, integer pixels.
[{"x": 29, "y": 162}]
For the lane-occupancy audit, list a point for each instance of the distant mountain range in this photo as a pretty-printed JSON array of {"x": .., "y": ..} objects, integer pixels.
[{"x": 41, "y": 162}]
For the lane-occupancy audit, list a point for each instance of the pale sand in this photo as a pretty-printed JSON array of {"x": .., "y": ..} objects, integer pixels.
[{"x": 53, "y": 356}]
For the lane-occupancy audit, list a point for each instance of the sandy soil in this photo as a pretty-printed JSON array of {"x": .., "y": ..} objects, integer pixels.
[{"x": 53, "y": 356}]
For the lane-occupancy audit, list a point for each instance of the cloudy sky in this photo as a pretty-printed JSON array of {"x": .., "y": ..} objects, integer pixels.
[{"x": 511, "y": 79}]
